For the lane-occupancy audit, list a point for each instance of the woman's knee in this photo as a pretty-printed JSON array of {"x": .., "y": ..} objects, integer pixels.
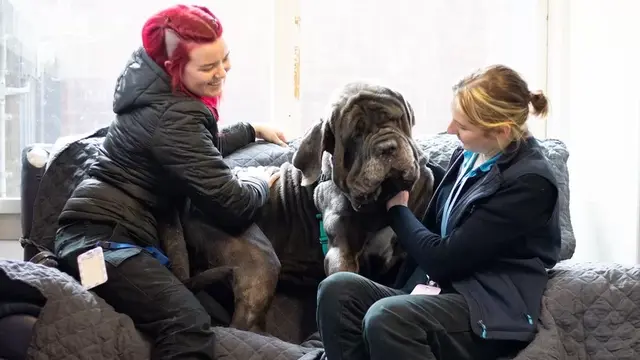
[
  {"x": 340, "y": 285},
  {"x": 387, "y": 315}
]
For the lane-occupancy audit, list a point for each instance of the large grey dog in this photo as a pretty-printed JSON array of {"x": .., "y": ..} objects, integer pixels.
[{"x": 336, "y": 174}]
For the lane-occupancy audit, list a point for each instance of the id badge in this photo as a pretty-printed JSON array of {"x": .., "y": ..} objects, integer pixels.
[
  {"x": 92, "y": 268},
  {"x": 424, "y": 289}
]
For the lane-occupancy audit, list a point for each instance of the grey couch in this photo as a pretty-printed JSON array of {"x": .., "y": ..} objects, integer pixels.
[{"x": 589, "y": 311}]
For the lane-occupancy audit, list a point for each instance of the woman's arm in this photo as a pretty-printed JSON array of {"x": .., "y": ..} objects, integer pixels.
[
  {"x": 184, "y": 147},
  {"x": 232, "y": 138},
  {"x": 513, "y": 211}
]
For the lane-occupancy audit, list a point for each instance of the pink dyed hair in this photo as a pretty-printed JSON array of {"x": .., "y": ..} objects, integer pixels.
[{"x": 193, "y": 25}]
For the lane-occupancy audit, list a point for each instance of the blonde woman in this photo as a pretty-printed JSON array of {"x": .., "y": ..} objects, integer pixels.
[{"x": 472, "y": 285}]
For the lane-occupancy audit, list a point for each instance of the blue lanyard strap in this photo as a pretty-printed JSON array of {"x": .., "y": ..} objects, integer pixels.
[
  {"x": 466, "y": 171},
  {"x": 155, "y": 252},
  {"x": 466, "y": 166}
]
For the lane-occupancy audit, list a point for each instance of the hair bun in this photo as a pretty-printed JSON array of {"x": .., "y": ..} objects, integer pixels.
[{"x": 540, "y": 103}]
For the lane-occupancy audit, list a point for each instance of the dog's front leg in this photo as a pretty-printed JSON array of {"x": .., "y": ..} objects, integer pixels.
[
  {"x": 340, "y": 256},
  {"x": 336, "y": 216},
  {"x": 337, "y": 260}
]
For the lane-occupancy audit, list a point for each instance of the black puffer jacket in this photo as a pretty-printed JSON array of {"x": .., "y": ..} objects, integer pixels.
[{"x": 161, "y": 147}]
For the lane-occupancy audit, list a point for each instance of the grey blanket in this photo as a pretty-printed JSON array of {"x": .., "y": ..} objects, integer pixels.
[
  {"x": 76, "y": 324},
  {"x": 589, "y": 311},
  {"x": 289, "y": 316}
]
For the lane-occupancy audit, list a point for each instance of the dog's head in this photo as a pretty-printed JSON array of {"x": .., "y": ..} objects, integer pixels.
[{"x": 368, "y": 133}]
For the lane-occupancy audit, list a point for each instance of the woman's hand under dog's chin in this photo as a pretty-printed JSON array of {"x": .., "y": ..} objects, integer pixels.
[{"x": 401, "y": 198}]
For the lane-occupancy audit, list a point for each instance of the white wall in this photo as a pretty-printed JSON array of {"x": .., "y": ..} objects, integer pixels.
[
  {"x": 594, "y": 77},
  {"x": 593, "y": 82}
]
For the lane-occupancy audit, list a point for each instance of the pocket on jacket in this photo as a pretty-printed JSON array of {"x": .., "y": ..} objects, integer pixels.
[{"x": 501, "y": 308}]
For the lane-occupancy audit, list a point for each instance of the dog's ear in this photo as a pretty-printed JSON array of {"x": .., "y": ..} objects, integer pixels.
[
  {"x": 308, "y": 157},
  {"x": 410, "y": 115},
  {"x": 408, "y": 110}
]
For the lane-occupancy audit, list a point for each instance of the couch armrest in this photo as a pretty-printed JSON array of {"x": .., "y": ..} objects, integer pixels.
[
  {"x": 592, "y": 308},
  {"x": 34, "y": 159}
]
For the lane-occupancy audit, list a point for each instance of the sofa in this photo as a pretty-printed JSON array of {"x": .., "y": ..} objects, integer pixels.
[{"x": 589, "y": 310}]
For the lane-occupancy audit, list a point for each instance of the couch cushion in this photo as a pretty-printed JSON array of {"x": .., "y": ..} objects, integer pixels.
[
  {"x": 440, "y": 147},
  {"x": 259, "y": 153}
]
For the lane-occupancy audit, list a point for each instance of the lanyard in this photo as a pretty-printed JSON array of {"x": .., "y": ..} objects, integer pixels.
[
  {"x": 466, "y": 173},
  {"x": 455, "y": 192},
  {"x": 154, "y": 252}
]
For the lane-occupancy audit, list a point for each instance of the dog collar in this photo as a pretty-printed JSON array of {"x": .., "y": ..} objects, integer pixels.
[{"x": 324, "y": 239}]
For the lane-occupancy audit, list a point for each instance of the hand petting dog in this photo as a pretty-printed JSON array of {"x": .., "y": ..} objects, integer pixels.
[
  {"x": 270, "y": 134},
  {"x": 394, "y": 193}
]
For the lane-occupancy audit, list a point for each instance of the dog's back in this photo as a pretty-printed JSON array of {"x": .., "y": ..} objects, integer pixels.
[{"x": 289, "y": 220}]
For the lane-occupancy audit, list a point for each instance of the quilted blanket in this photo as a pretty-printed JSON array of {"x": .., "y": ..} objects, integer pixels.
[
  {"x": 290, "y": 319},
  {"x": 589, "y": 311},
  {"x": 76, "y": 324}
]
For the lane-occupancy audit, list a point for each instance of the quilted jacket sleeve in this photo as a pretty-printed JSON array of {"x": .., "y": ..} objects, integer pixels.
[
  {"x": 183, "y": 146},
  {"x": 233, "y": 137}
]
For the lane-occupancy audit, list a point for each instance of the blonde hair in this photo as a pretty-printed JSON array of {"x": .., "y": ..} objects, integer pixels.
[{"x": 497, "y": 96}]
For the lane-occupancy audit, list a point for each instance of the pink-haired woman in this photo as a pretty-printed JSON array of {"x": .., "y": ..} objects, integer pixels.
[{"x": 164, "y": 145}]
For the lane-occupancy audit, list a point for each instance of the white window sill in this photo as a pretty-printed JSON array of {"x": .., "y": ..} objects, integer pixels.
[{"x": 10, "y": 206}]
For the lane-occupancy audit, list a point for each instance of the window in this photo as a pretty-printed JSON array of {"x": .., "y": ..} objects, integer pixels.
[
  {"x": 419, "y": 47},
  {"x": 59, "y": 60}
]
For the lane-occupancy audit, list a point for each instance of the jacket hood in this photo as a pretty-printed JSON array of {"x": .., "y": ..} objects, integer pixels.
[{"x": 141, "y": 83}]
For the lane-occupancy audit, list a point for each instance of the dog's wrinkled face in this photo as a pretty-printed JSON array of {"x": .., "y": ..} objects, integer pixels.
[{"x": 368, "y": 134}]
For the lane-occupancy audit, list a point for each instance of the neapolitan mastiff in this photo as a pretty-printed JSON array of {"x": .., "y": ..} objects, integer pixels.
[{"x": 331, "y": 191}]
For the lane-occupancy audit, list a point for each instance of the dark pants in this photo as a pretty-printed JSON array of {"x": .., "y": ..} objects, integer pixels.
[
  {"x": 359, "y": 319},
  {"x": 159, "y": 305}
]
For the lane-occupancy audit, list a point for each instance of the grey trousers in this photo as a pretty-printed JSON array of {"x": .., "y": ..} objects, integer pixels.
[{"x": 359, "y": 319}]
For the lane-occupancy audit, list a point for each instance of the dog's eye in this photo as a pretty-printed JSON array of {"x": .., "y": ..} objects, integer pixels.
[{"x": 388, "y": 149}]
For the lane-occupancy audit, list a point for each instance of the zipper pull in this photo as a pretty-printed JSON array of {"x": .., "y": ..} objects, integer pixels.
[
  {"x": 529, "y": 319},
  {"x": 484, "y": 329}
]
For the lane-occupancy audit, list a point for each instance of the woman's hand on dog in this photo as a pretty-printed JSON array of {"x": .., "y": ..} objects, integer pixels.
[
  {"x": 401, "y": 198},
  {"x": 274, "y": 178},
  {"x": 270, "y": 134},
  {"x": 394, "y": 192}
]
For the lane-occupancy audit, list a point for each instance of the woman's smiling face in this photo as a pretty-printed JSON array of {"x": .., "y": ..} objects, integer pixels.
[{"x": 205, "y": 73}]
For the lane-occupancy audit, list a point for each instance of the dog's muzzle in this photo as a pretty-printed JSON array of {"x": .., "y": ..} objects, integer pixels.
[{"x": 395, "y": 182}]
